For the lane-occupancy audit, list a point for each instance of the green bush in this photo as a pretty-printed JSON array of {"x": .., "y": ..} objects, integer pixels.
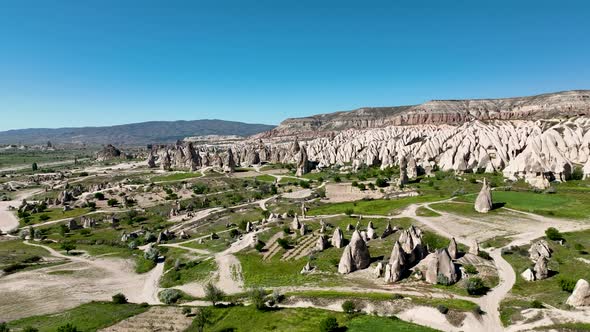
[
  {"x": 470, "y": 269},
  {"x": 170, "y": 296},
  {"x": 348, "y": 307},
  {"x": 349, "y": 211},
  {"x": 443, "y": 309},
  {"x": 284, "y": 243},
  {"x": 553, "y": 234},
  {"x": 99, "y": 196},
  {"x": 329, "y": 324},
  {"x": 381, "y": 183},
  {"x": 67, "y": 328},
  {"x": 567, "y": 285},
  {"x": 475, "y": 286},
  {"x": 259, "y": 246},
  {"x": 537, "y": 304},
  {"x": 119, "y": 299}
]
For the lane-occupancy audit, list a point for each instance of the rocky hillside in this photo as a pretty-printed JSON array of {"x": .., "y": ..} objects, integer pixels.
[
  {"x": 545, "y": 106},
  {"x": 132, "y": 134}
]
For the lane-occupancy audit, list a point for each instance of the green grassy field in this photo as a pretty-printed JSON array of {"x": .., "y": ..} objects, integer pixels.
[
  {"x": 14, "y": 158},
  {"x": 455, "y": 304},
  {"x": 87, "y": 317},
  {"x": 370, "y": 207},
  {"x": 266, "y": 178},
  {"x": 54, "y": 214},
  {"x": 191, "y": 268},
  {"x": 16, "y": 252},
  {"x": 566, "y": 203},
  {"x": 248, "y": 319},
  {"x": 563, "y": 264},
  {"x": 175, "y": 177}
]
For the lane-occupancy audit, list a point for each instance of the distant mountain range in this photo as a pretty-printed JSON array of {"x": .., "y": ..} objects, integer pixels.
[{"x": 132, "y": 134}]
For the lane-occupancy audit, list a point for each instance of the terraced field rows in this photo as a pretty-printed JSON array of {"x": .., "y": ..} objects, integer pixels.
[
  {"x": 155, "y": 319},
  {"x": 302, "y": 249}
]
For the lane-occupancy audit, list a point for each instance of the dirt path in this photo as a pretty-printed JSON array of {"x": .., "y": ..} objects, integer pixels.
[{"x": 8, "y": 220}]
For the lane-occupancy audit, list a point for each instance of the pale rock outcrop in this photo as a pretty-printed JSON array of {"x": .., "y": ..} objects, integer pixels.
[
  {"x": 322, "y": 243},
  {"x": 528, "y": 275},
  {"x": 483, "y": 202},
  {"x": 474, "y": 248},
  {"x": 387, "y": 231},
  {"x": 541, "y": 270},
  {"x": 355, "y": 256},
  {"x": 378, "y": 272},
  {"x": 403, "y": 171},
  {"x": 302, "y": 162},
  {"x": 441, "y": 267},
  {"x": 338, "y": 238},
  {"x": 302, "y": 229},
  {"x": 108, "y": 152},
  {"x": 306, "y": 269},
  {"x": 397, "y": 264},
  {"x": 295, "y": 224},
  {"x": 539, "y": 249},
  {"x": 453, "y": 250},
  {"x": 229, "y": 164},
  {"x": 581, "y": 295}
]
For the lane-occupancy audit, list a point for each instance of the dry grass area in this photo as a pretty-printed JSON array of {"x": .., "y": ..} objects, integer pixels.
[{"x": 155, "y": 319}]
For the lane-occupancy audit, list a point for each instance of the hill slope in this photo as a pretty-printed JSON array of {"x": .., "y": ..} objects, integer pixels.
[
  {"x": 544, "y": 106},
  {"x": 132, "y": 134}
]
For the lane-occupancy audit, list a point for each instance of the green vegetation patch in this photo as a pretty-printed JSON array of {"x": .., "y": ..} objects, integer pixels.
[
  {"x": 175, "y": 177},
  {"x": 370, "y": 207},
  {"x": 87, "y": 317},
  {"x": 565, "y": 269},
  {"x": 300, "y": 320},
  {"x": 565, "y": 203}
]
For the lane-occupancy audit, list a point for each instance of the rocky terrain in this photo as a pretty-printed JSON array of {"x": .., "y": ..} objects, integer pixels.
[{"x": 545, "y": 106}]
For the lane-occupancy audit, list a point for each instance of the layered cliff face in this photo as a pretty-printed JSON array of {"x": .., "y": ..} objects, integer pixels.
[{"x": 545, "y": 106}]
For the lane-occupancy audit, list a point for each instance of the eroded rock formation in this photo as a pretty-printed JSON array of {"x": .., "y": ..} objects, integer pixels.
[
  {"x": 355, "y": 256},
  {"x": 483, "y": 202}
]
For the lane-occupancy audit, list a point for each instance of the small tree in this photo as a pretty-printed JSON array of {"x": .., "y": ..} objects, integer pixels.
[
  {"x": 152, "y": 254},
  {"x": 329, "y": 324},
  {"x": 202, "y": 318},
  {"x": 99, "y": 196},
  {"x": 553, "y": 234},
  {"x": 170, "y": 296},
  {"x": 113, "y": 202},
  {"x": 381, "y": 183},
  {"x": 349, "y": 212},
  {"x": 349, "y": 307},
  {"x": 67, "y": 246},
  {"x": 30, "y": 329},
  {"x": 34, "y": 167},
  {"x": 119, "y": 299},
  {"x": 213, "y": 294},
  {"x": 475, "y": 286},
  {"x": 257, "y": 297},
  {"x": 4, "y": 327}
]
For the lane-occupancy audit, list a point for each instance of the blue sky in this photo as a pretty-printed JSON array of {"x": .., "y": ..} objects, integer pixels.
[{"x": 76, "y": 63}]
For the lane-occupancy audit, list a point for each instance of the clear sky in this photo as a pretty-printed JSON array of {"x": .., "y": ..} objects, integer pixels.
[{"x": 75, "y": 63}]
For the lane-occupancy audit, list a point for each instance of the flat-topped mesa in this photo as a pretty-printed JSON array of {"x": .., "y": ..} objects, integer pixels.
[
  {"x": 355, "y": 256},
  {"x": 483, "y": 202}
]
